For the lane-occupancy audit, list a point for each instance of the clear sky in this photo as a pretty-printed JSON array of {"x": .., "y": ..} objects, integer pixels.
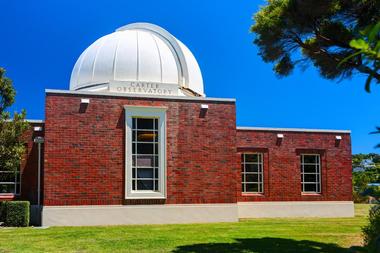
[{"x": 41, "y": 40}]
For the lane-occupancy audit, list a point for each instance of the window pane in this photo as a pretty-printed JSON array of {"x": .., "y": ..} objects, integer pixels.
[
  {"x": 134, "y": 123},
  {"x": 18, "y": 186},
  {"x": 145, "y": 123},
  {"x": 147, "y": 136},
  {"x": 252, "y": 187},
  {"x": 251, "y": 158},
  {"x": 156, "y": 185},
  {"x": 144, "y": 160},
  {"x": 7, "y": 177},
  {"x": 145, "y": 173},
  {"x": 252, "y": 178},
  {"x": 144, "y": 184},
  {"x": 310, "y": 159},
  {"x": 7, "y": 188},
  {"x": 310, "y": 168},
  {"x": 310, "y": 188},
  {"x": 133, "y": 185},
  {"x": 144, "y": 148},
  {"x": 156, "y": 173},
  {"x": 251, "y": 168},
  {"x": 312, "y": 178}
]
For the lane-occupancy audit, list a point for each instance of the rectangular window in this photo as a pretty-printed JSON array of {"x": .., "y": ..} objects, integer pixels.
[
  {"x": 9, "y": 182},
  {"x": 145, "y": 152},
  {"x": 252, "y": 173},
  {"x": 311, "y": 173}
]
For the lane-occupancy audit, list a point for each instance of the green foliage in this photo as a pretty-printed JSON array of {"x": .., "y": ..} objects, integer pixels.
[
  {"x": 371, "y": 231},
  {"x": 368, "y": 52},
  {"x": 7, "y": 93},
  {"x": 11, "y": 129},
  {"x": 307, "y": 32},
  {"x": 369, "y": 165},
  {"x": 17, "y": 213}
]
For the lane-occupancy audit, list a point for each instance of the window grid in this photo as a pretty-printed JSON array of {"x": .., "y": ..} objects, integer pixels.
[
  {"x": 10, "y": 182},
  {"x": 249, "y": 183},
  {"x": 311, "y": 178},
  {"x": 141, "y": 182}
]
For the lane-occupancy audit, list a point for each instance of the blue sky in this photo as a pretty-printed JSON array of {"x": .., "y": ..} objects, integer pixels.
[{"x": 41, "y": 40}]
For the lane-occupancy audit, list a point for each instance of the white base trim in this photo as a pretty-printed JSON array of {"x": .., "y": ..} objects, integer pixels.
[
  {"x": 195, "y": 213},
  {"x": 283, "y": 209},
  {"x": 138, "y": 214}
]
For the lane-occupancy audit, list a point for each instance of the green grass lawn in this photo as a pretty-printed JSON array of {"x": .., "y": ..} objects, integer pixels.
[{"x": 256, "y": 235}]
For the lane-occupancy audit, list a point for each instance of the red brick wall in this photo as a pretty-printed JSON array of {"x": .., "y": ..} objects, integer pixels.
[
  {"x": 84, "y": 151},
  {"x": 282, "y": 178},
  {"x": 29, "y": 165},
  {"x": 84, "y": 158}
]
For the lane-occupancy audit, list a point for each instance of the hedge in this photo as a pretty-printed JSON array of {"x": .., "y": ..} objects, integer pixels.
[
  {"x": 371, "y": 232},
  {"x": 15, "y": 213}
]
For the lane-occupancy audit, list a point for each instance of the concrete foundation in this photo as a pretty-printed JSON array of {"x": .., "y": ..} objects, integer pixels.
[
  {"x": 202, "y": 213},
  {"x": 141, "y": 214},
  {"x": 288, "y": 209}
]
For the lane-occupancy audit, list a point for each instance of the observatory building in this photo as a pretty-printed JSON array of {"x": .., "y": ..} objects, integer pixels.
[{"x": 135, "y": 140}]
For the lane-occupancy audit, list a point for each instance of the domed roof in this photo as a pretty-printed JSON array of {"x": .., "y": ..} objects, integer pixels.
[{"x": 138, "y": 55}]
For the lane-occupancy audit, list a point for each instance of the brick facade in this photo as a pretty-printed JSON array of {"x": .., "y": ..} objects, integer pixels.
[
  {"x": 29, "y": 165},
  {"x": 85, "y": 150},
  {"x": 84, "y": 161},
  {"x": 282, "y": 176}
]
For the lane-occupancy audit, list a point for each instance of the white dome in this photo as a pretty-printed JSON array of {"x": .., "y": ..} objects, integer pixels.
[{"x": 138, "y": 54}]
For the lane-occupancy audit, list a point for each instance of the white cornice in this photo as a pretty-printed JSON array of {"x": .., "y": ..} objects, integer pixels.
[
  {"x": 273, "y": 129},
  {"x": 112, "y": 94}
]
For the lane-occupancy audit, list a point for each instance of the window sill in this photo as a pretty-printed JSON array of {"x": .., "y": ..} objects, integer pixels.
[
  {"x": 7, "y": 196},
  {"x": 311, "y": 194},
  {"x": 252, "y": 194},
  {"x": 145, "y": 195}
]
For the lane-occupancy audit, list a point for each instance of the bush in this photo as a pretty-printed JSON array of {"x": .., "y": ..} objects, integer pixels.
[
  {"x": 372, "y": 230},
  {"x": 17, "y": 213},
  {"x": 358, "y": 198}
]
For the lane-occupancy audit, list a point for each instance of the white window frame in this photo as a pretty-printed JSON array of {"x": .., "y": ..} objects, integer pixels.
[
  {"x": 318, "y": 173},
  {"x": 145, "y": 112},
  {"x": 260, "y": 173},
  {"x": 16, "y": 182}
]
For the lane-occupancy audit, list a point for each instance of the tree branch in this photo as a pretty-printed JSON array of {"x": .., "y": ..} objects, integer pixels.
[{"x": 360, "y": 67}]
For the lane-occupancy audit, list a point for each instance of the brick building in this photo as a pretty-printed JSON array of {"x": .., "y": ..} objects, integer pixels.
[{"x": 136, "y": 141}]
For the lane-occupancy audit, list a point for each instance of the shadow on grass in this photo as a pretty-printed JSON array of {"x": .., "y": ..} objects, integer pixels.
[{"x": 267, "y": 245}]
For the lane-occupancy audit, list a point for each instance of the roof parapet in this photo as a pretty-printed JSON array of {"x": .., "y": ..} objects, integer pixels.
[
  {"x": 113, "y": 94},
  {"x": 274, "y": 129}
]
